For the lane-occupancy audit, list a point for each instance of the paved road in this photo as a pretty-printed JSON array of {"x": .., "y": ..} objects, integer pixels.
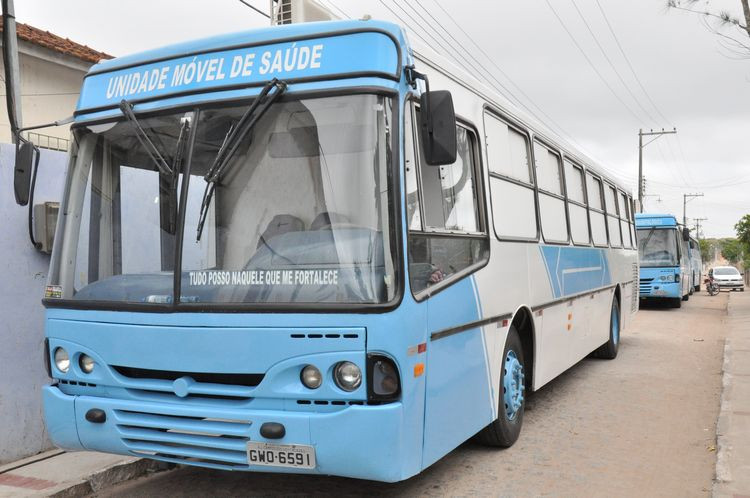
[{"x": 641, "y": 425}]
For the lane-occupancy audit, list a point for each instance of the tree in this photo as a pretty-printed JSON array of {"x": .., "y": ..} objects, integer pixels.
[
  {"x": 743, "y": 231},
  {"x": 731, "y": 249},
  {"x": 733, "y": 32},
  {"x": 707, "y": 250}
]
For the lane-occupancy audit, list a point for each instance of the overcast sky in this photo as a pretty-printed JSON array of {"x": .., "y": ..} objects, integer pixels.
[{"x": 691, "y": 82}]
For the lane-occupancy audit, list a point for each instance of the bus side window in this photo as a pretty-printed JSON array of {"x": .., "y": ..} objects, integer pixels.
[
  {"x": 596, "y": 210},
  {"x": 625, "y": 221},
  {"x": 631, "y": 206},
  {"x": 613, "y": 221},
  {"x": 511, "y": 181},
  {"x": 413, "y": 206},
  {"x": 450, "y": 239},
  {"x": 579, "y": 223},
  {"x": 551, "y": 200}
]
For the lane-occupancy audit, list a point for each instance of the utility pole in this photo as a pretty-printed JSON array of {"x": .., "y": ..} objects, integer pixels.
[
  {"x": 698, "y": 227},
  {"x": 684, "y": 205},
  {"x": 12, "y": 73},
  {"x": 641, "y": 145}
]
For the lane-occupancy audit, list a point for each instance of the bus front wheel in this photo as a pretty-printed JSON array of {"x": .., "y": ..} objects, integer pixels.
[{"x": 504, "y": 431}]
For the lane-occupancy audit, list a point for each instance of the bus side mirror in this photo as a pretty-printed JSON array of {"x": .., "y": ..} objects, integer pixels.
[
  {"x": 686, "y": 234},
  {"x": 25, "y": 153},
  {"x": 438, "y": 127}
]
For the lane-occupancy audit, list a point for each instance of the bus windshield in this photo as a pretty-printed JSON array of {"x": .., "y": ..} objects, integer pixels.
[
  {"x": 301, "y": 215},
  {"x": 657, "y": 247}
]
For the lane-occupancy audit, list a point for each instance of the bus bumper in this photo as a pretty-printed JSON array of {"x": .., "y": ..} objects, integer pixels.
[
  {"x": 365, "y": 442},
  {"x": 661, "y": 290}
]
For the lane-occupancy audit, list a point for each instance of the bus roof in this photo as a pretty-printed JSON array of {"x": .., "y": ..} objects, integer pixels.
[
  {"x": 244, "y": 61},
  {"x": 644, "y": 220}
]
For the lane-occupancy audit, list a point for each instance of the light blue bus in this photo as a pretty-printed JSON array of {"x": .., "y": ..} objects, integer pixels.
[
  {"x": 664, "y": 254},
  {"x": 278, "y": 251}
]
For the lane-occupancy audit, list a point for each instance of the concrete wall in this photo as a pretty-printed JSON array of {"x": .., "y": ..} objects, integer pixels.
[{"x": 23, "y": 275}]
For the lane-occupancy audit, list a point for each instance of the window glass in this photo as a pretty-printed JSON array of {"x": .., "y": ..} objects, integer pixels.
[
  {"x": 594, "y": 187},
  {"x": 610, "y": 196},
  {"x": 657, "y": 247},
  {"x": 450, "y": 199},
  {"x": 301, "y": 212},
  {"x": 579, "y": 225},
  {"x": 513, "y": 209},
  {"x": 448, "y": 190},
  {"x": 548, "y": 175},
  {"x": 554, "y": 219},
  {"x": 119, "y": 220},
  {"x": 624, "y": 211},
  {"x": 507, "y": 150},
  {"x": 413, "y": 214},
  {"x": 574, "y": 182}
]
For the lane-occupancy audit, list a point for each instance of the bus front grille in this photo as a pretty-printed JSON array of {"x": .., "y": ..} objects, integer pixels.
[
  {"x": 645, "y": 286},
  {"x": 218, "y": 443}
]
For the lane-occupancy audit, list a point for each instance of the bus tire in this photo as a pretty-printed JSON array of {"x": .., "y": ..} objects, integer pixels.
[
  {"x": 608, "y": 350},
  {"x": 675, "y": 302},
  {"x": 686, "y": 297},
  {"x": 698, "y": 288},
  {"x": 504, "y": 430}
]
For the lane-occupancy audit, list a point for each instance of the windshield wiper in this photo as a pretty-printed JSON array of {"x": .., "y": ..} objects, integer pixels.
[
  {"x": 232, "y": 141},
  {"x": 168, "y": 173},
  {"x": 164, "y": 168}
]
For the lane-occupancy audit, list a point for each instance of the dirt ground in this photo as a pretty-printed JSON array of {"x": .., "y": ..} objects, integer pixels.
[{"x": 641, "y": 425}]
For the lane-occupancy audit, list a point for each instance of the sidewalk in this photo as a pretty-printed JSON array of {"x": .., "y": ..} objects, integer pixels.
[
  {"x": 60, "y": 474},
  {"x": 733, "y": 427}
]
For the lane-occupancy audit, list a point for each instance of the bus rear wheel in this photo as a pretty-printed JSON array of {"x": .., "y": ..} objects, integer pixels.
[
  {"x": 608, "y": 350},
  {"x": 504, "y": 431}
]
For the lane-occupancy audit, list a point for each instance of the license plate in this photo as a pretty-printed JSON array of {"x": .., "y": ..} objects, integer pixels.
[{"x": 296, "y": 456}]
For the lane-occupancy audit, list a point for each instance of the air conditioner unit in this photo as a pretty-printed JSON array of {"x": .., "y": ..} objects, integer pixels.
[
  {"x": 296, "y": 11},
  {"x": 45, "y": 221}
]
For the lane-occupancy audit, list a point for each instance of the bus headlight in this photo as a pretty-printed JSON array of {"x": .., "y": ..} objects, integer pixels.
[
  {"x": 86, "y": 363},
  {"x": 62, "y": 360},
  {"x": 667, "y": 278},
  {"x": 347, "y": 375},
  {"x": 311, "y": 377}
]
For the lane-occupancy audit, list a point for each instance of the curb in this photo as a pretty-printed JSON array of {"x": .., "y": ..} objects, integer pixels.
[
  {"x": 106, "y": 478},
  {"x": 723, "y": 473}
]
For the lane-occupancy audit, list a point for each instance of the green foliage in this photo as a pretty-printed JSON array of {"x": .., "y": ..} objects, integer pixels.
[
  {"x": 732, "y": 250},
  {"x": 743, "y": 230},
  {"x": 707, "y": 249}
]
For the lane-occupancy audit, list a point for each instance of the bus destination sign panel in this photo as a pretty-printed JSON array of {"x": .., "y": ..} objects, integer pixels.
[{"x": 323, "y": 57}]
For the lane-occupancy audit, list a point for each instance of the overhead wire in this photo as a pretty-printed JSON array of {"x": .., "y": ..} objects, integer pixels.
[
  {"x": 553, "y": 124},
  {"x": 591, "y": 63},
  {"x": 611, "y": 64}
]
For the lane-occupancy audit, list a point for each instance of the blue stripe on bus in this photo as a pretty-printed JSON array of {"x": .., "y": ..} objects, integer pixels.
[{"x": 572, "y": 270}]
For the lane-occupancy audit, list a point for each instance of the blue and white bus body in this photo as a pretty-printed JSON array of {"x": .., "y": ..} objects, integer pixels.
[
  {"x": 672, "y": 280},
  {"x": 446, "y": 340}
]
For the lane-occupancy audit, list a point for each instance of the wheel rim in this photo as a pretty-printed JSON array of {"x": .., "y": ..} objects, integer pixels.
[
  {"x": 615, "y": 326},
  {"x": 513, "y": 385}
]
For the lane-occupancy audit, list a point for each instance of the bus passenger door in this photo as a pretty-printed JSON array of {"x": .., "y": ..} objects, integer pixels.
[{"x": 447, "y": 241}]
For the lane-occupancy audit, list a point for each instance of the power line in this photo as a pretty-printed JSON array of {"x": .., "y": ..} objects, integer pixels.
[
  {"x": 630, "y": 65},
  {"x": 591, "y": 63},
  {"x": 559, "y": 129},
  {"x": 256, "y": 9},
  {"x": 611, "y": 64}
]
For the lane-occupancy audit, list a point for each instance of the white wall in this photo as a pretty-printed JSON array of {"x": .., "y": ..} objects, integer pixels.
[
  {"x": 23, "y": 275},
  {"x": 50, "y": 84}
]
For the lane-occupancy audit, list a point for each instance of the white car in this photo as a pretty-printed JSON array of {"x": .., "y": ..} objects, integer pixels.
[{"x": 728, "y": 277}]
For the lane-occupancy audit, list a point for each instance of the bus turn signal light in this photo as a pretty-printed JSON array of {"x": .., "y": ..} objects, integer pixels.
[{"x": 418, "y": 369}]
